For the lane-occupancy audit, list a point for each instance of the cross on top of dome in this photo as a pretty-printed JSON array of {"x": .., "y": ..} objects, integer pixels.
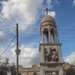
[{"x": 47, "y": 11}]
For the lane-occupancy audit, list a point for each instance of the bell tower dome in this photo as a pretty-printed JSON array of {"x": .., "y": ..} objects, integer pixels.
[
  {"x": 50, "y": 49},
  {"x": 48, "y": 30}
]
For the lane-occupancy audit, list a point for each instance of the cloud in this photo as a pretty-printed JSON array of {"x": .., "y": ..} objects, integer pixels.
[
  {"x": 28, "y": 55},
  {"x": 24, "y": 12},
  {"x": 71, "y": 58},
  {"x": 52, "y": 3},
  {"x": 49, "y": 5},
  {"x": 52, "y": 13},
  {"x": 1, "y": 49},
  {"x": 1, "y": 33},
  {"x": 2, "y": 56},
  {"x": 73, "y": 2},
  {"x": 5, "y": 52}
]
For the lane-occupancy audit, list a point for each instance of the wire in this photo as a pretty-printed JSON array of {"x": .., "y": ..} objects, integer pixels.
[
  {"x": 9, "y": 16},
  {"x": 7, "y": 22},
  {"x": 8, "y": 46}
]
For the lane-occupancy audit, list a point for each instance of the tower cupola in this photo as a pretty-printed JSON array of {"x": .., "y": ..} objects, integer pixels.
[
  {"x": 47, "y": 19},
  {"x": 48, "y": 30}
]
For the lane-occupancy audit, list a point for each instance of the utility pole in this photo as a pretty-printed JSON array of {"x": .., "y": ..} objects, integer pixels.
[{"x": 17, "y": 49}]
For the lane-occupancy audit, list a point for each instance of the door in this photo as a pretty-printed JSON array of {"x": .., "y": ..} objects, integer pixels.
[{"x": 51, "y": 73}]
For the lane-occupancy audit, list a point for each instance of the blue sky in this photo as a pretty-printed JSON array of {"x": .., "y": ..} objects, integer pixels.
[{"x": 28, "y": 14}]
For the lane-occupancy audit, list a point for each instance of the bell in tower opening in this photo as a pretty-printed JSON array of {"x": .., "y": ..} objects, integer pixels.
[{"x": 51, "y": 62}]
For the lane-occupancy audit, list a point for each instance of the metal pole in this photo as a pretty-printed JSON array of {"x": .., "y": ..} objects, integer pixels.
[
  {"x": 17, "y": 49},
  {"x": 17, "y": 46}
]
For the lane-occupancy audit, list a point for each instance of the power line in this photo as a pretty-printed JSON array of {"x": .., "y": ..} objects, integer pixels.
[
  {"x": 5, "y": 20},
  {"x": 7, "y": 32},
  {"x": 8, "y": 46},
  {"x": 9, "y": 16}
]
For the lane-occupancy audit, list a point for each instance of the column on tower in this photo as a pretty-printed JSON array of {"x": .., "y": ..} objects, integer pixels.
[
  {"x": 42, "y": 37},
  {"x": 49, "y": 35},
  {"x": 55, "y": 37}
]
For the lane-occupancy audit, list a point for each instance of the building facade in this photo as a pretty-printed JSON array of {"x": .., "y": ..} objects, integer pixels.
[{"x": 34, "y": 70}]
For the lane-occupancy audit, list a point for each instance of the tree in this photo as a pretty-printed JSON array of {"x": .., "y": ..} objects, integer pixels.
[
  {"x": 4, "y": 67},
  {"x": 13, "y": 69},
  {"x": 70, "y": 71}
]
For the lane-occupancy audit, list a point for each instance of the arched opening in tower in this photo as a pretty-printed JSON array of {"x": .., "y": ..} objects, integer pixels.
[
  {"x": 52, "y": 35},
  {"x": 46, "y": 36}
]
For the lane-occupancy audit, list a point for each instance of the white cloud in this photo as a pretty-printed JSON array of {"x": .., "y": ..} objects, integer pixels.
[
  {"x": 71, "y": 58},
  {"x": 1, "y": 49},
  {"x": 28, "y": 55},
  {"x": 25, "y": 12},
  {"x": 2, "y": 56},
  {"x": 52, "y": 3},
  {"x": 1, "y": 33},
  {"x": 49, "y": 5},
  {"x": 52, "y": 13},
  {"x": 73, "y": 2}
]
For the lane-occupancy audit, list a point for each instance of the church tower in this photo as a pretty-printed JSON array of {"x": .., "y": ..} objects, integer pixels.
[{"x": 50, "y": 49}]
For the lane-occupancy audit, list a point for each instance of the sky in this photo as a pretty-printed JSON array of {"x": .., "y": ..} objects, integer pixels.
[{"x": 28, "y": 14}]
